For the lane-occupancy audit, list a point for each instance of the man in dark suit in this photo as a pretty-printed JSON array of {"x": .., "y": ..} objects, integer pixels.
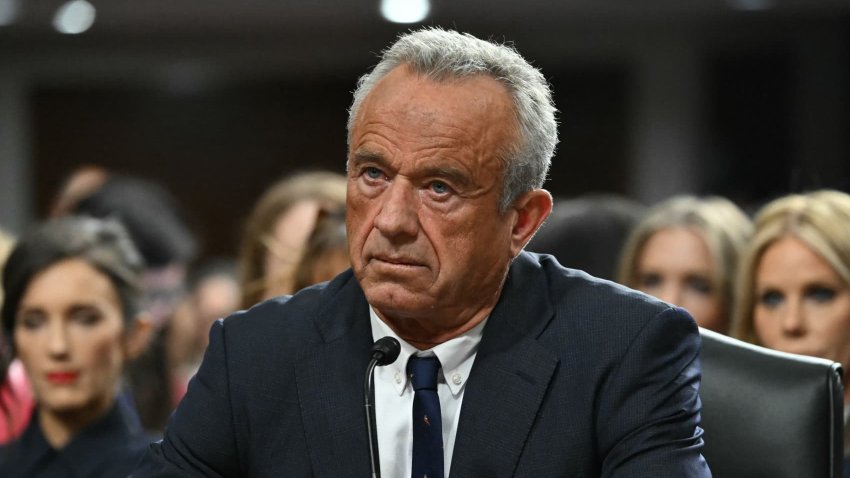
[{"x": 540, "y": 371}]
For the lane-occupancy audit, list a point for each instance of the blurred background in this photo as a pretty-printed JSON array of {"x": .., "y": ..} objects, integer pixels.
[{"x": 218, "y": 99}]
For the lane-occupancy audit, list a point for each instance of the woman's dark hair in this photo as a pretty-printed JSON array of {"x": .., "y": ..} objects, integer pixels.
[
  {"x": 104, "y": 244},
  {"x": 151, "y": 215}
]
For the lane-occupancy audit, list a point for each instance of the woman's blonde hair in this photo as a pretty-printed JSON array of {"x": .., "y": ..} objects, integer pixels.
[
  {"x": 718, "y": 221},
  {"x": 327, "y": 188},
  {"x": 820, "y": 219}
]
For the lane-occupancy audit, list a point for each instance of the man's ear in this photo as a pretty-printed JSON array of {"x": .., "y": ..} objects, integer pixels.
[
  {"x": 532, "y": 208},
  {"x": 138, "y": 337}
]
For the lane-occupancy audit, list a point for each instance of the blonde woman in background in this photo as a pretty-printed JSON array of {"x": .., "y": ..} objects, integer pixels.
[
  {"x": 685, "y": 251},
  {"x": 794, "y": 283},
  {"x": 278, "y": 229}
]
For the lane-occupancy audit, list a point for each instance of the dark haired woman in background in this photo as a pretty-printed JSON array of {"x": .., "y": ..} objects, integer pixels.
[{"x": 71, "y": 315}]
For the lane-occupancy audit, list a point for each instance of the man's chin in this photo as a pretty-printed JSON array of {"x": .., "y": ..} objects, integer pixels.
[{"x": 396, "y": 300}]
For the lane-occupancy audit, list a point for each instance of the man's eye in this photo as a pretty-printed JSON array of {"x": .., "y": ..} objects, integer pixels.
[
  {"x": 373, "y": 173},
  {"x": 440, "y": 187}
]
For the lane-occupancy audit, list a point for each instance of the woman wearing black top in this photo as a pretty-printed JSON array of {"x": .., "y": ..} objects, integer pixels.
[{"x": 70, "y": 314}]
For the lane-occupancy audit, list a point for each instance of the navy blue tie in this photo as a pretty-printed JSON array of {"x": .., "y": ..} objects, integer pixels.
[{"x": 427, "y": 420}]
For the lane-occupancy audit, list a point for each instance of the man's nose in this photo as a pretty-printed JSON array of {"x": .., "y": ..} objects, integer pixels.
[{"x": 398, "y": 216}]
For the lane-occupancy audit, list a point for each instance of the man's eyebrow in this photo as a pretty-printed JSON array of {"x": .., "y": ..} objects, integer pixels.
[
  {"x": 454, "y": 175},
  {"x": 360, "y": 157}
]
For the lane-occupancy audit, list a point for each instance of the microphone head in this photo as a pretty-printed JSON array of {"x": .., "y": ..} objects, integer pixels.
[{"x": 385, "y": 350}]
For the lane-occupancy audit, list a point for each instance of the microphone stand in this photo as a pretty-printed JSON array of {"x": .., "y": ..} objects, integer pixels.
[
  {"x": 373, "y": 450},
  {"x": 384, "y": 351}
]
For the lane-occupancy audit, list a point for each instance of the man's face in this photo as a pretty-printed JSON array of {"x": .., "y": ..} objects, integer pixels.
[{"x": 426, "y": 238}]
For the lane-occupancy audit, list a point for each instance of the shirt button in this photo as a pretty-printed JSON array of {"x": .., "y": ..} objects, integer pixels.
[
  {"x": 398, "y": 378},
  {"x": 457, "y": 379}
]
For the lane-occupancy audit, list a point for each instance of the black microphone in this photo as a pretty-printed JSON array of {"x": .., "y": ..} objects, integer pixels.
[{"x": 384, "y": 352}]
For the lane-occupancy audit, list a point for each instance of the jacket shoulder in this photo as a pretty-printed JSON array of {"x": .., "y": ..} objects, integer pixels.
[
  {"x": 296, "y": 322},
  {"x": 600, "y": 313},
  {"x": 593, "y": 294}
]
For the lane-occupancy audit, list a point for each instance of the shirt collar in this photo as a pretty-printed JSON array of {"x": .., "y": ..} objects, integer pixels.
[{"x": 456, "y": 356}]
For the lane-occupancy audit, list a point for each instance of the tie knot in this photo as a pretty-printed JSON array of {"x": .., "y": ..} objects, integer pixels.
[{"x": 423, "y": 372}]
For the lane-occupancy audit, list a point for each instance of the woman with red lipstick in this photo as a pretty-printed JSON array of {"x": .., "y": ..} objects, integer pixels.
[{"x": 70, "y": 314}]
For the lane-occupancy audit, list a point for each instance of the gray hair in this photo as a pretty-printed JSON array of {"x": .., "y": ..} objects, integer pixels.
[{"x": 442, "y": 55}]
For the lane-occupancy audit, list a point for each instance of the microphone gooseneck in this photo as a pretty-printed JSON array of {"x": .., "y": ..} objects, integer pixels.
[{"x": 384, "y": 352}]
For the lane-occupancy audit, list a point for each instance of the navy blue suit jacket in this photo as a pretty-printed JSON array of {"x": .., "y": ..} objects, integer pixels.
[{"x": 574, "y": 377}]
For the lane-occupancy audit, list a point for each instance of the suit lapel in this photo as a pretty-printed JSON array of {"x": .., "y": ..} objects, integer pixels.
[
  {"x": 330, "y": 385},
  {"x": 509, "y": 378},
  {"x": 506, "y": 387}
]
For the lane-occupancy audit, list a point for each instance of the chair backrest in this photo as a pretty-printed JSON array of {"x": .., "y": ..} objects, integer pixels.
[{"x": 769, "y": 414}]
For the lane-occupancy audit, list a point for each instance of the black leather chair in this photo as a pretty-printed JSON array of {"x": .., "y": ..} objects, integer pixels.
[{"x": 769, "y": 414}]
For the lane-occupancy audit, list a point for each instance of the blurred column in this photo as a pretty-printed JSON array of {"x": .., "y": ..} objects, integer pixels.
[
  {"x": 16, "y": 208},
  {"x": 821, "y": 104},
  {"x": 665, "y": 121}
]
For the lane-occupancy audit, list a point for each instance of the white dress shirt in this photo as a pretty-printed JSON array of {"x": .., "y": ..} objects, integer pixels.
[{"x": 394, "y": 397}]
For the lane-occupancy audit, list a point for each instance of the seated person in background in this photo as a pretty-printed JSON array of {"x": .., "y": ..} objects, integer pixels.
[
  {"x": 71, "y": 314},
  {"x": 588, "y": 232},
  {"x": 520, "y": 366},
  {"x": 793, "y": 290},
  {"x": 685, "y": 251},
  {"x": 277, "y": 230}
]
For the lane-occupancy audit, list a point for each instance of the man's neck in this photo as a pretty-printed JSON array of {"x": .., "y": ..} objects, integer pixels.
[{"x": 427, "y": 333}]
